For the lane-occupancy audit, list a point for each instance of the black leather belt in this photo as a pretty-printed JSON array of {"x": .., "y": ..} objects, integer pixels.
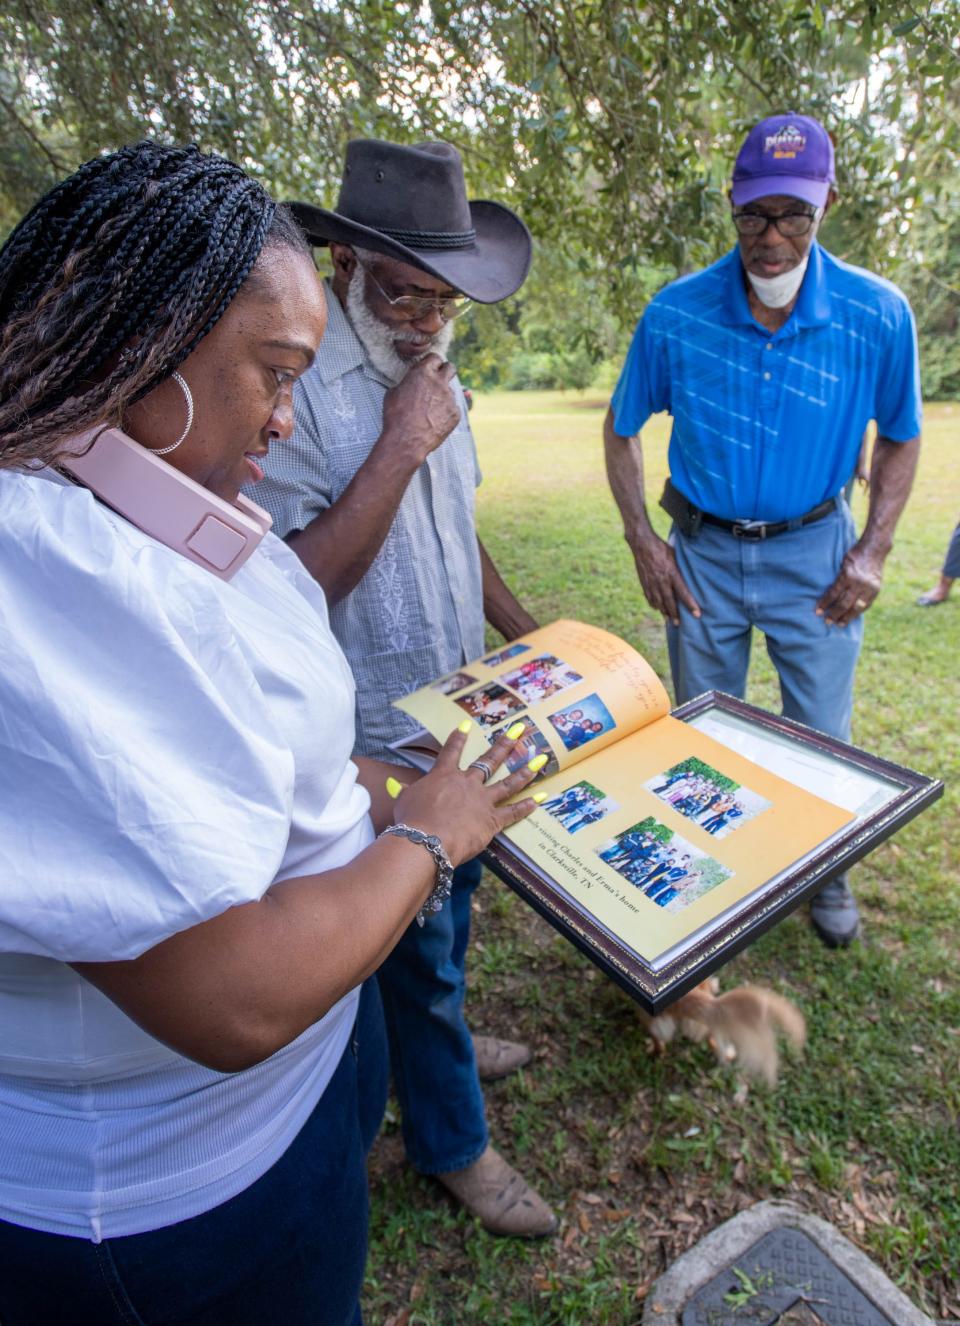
[
  {"x": 689, "y": 518},
  {"x": 754, "y": 530}
]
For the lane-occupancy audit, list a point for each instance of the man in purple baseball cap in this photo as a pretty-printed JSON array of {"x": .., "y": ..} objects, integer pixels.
[
  {"x": 772, "y": 361},
  {"x": 785, "y": 160},
  {"x": 786, "y": 154}
]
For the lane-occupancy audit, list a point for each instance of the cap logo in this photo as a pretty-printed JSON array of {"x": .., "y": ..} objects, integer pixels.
[{"x": 786, "y": 142}]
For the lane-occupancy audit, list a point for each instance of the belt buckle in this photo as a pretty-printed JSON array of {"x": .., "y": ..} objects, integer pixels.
[{"x": 751, "y": 530}]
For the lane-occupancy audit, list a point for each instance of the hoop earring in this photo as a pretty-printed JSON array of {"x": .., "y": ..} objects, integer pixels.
[{"x": 188, "y": 396}]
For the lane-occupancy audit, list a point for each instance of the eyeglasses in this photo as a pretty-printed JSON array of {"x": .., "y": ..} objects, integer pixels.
[
  {"x": 790, "y": 224},
  {"x": 415, "y": 307}
]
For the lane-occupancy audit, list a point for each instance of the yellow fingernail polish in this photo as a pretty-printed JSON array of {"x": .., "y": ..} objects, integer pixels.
[
  {"x": 466, "y": 725},
  {"x": 394, "y": 787},
  {"x": 537, "y": 763},
  {"x": 514, "y": 731},
  {"x": 539, "y": 796}
]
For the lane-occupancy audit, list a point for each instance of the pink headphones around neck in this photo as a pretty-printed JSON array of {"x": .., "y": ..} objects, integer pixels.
[{"x": 170, "y": 507}]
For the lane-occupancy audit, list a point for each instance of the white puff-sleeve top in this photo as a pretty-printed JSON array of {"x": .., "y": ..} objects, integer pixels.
[{"x": 170, "y": 746}]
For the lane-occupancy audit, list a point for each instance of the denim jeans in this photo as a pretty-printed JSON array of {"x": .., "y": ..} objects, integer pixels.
[
  {"x": 287, "y": 1251},
  {"x": 431, "y": 1054},
  {"x": 951, "y": 565},
  {"x": 773, "y": 584}
]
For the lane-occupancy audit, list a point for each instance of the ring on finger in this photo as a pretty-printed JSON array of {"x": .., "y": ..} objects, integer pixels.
[{"x": 484, "y": 768}]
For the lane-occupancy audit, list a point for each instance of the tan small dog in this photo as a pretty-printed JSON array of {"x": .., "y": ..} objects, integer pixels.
[{"x": 741, "y": 1026}]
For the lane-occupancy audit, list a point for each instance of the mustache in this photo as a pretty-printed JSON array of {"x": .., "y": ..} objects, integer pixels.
[
  {"x": 416, "y": 336},
  {"x": 774, "y": 255}
]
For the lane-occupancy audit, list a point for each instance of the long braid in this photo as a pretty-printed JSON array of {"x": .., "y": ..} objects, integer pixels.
[{"x": 141, "y": 251}]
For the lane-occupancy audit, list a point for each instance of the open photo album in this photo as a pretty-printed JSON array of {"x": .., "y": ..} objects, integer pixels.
[{"x": 667, "y": 841}]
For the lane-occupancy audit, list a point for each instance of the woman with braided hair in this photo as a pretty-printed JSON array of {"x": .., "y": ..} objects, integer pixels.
[{"x": 194, "y": 892}]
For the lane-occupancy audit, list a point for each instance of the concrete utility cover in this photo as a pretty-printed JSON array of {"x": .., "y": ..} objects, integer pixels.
[
  {"x": 783, "y": 1280},
  {"x": 775, "y": 1265}
]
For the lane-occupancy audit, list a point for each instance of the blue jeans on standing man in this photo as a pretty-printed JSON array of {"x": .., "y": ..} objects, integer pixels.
[
  {"x": 423, "y": 985},
  {"x": 773, "y": 584}
]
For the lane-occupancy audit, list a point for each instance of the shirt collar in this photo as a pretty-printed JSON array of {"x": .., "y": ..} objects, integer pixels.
[
  {"x": 341, "y": 350},
  {"x": 812, "y": 308}
]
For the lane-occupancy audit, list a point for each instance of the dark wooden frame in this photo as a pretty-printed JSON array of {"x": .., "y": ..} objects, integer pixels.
[{"x": 656, "y": 990}]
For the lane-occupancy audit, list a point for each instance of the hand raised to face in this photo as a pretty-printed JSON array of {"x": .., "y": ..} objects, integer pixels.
[{"x": 421, "y": 411}]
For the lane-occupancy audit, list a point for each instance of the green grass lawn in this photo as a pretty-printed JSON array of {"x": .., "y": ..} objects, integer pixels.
[{"x": 641, "y": 1155}]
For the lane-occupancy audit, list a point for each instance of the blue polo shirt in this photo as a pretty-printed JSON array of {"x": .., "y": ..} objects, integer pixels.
[{"x": 766, "y": 424}]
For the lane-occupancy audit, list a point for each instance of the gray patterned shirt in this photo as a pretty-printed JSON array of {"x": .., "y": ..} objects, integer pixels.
[{"x": 418, "y": 611}]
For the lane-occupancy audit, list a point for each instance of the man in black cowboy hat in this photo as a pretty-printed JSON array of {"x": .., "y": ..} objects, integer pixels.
[{"x": 376, "y": 494}]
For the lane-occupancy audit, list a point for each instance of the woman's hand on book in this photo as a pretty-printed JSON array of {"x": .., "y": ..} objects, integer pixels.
[{"x": 464, "y": 811}]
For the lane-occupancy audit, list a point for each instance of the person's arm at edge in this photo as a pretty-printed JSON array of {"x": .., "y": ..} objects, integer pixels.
[
  {"x": 663, "y": 586},
  {"x": 891, "y": 478},
  {"x": 231, "y": 991},
  {"x": 501, "y": 607}
]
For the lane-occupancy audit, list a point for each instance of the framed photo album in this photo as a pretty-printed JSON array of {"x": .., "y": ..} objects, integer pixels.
[{"x": 667, "y": 841}]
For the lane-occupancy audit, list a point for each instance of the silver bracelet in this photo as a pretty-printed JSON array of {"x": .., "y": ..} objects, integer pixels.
[{"x": 432, "y": 843}]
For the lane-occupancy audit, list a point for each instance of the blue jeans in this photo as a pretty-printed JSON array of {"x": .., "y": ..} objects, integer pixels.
[
  {"x": 287, "y": 1251},
  {"x": 951, "y": 566},
  {"x": 773, "y": 585},
  {"x": 423, "y": 985}
]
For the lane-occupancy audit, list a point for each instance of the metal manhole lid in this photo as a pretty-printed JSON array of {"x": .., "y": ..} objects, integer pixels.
[{"x": 784, "y": 1279}]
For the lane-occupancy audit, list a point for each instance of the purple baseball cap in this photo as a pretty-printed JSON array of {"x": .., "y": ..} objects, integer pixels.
[{"x": 788, "y": 154}]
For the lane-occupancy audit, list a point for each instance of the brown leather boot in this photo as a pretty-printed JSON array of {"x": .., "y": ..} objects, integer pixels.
[
  {"x": 501, "y": 1198},
  {"x": 497, "y": 1058}
]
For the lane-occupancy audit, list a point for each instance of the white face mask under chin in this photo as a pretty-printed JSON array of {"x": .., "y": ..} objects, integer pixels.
[{"x": 778, "y": 291}]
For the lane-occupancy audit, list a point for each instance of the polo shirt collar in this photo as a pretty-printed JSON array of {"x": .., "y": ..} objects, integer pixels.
[
  {"x": 734, "y": 308},
  {"x": 341, "y": 350},
  {"x": 812, "y": 308}
]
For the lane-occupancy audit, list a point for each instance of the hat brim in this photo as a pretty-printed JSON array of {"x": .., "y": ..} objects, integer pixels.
[
  {"x": 789, "y": 186},
  {"x": 493, "y": 267}
]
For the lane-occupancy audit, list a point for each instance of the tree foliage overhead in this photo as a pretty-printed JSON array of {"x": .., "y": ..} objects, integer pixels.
[
  {"x": 609, "y": 124},
  {"x": 616, "y": 116}
]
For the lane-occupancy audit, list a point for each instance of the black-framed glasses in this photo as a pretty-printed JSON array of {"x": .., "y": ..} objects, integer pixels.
[
  {"x": 415, "y": 307},
  {"x": 789, "y": 224}
]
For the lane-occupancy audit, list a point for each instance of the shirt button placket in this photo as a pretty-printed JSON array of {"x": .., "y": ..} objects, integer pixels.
[
  {"x": 768, "y": 386},
  {"x": 767, "y": 395}
]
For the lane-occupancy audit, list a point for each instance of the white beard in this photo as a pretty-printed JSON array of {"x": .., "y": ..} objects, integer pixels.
[{"x": 379, "y": 339}]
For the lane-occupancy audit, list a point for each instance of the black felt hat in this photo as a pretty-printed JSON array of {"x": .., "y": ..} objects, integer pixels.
[{"x": 411, "y": 203}]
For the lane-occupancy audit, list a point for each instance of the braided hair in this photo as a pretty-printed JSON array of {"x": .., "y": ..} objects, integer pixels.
[{"x": 112, "y": 279}]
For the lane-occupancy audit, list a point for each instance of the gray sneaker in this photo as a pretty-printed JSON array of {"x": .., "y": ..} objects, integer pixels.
[{"x": 834, "y": 914}]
